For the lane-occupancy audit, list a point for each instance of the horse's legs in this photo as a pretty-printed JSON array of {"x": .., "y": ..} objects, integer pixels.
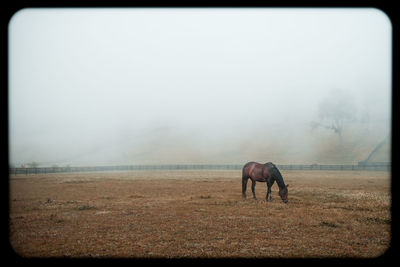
[
  {"x": 244, "y": 186},
  {"x": 268, "y": 192},
  {"x": 253, "y": 187}
]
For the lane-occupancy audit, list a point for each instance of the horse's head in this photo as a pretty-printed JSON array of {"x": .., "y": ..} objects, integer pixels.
[{"x": 283, "y": 193}]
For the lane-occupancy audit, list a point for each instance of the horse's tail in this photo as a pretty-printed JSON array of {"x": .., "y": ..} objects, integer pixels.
[{"x": 245, "y": 177}]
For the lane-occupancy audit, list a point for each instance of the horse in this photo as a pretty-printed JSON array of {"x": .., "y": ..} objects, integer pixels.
[{"x": 267, "y": 173}]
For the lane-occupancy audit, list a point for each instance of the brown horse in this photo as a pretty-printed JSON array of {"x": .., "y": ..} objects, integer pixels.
[{"x": 267, "y": 173}]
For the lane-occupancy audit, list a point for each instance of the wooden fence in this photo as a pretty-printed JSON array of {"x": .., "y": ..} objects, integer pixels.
[{"x": 376, "y": 167}]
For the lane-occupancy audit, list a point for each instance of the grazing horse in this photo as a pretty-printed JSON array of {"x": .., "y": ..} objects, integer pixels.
[{"x": 267, "y": 173}]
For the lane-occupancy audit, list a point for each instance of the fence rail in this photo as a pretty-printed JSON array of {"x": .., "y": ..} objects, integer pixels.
[{"x": 376, "y": 167}]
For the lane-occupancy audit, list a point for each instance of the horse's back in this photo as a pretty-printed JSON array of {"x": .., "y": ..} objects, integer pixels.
[{"x": 258, "y": 165}]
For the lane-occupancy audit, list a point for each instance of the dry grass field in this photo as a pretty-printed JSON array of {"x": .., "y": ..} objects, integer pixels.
[{"x": 177, "y": 214}]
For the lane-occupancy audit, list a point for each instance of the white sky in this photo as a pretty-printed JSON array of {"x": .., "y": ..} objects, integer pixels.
[{"x": 81, "y": 79}]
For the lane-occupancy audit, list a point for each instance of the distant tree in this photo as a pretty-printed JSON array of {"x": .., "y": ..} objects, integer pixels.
[{"x": 334, "y": 111}]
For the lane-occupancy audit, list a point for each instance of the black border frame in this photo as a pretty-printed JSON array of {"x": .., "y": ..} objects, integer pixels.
[{"x": 10, "y": 7}]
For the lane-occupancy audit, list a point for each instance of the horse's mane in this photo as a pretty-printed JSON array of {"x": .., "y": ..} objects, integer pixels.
[{"x": 277, "y": 176}]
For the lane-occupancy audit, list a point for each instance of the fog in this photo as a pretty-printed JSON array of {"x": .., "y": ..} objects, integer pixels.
[{"x": 161, "y": 86}]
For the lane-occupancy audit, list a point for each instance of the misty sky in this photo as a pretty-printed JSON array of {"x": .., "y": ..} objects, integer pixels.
[{"x": 133, "y": 86}]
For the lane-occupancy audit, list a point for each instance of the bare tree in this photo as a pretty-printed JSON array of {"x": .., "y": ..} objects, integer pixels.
[{"x": 334, "y": 111}]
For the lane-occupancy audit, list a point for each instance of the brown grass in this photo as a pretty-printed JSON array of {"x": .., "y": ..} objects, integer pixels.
[{"x": 199, "y": 214}]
